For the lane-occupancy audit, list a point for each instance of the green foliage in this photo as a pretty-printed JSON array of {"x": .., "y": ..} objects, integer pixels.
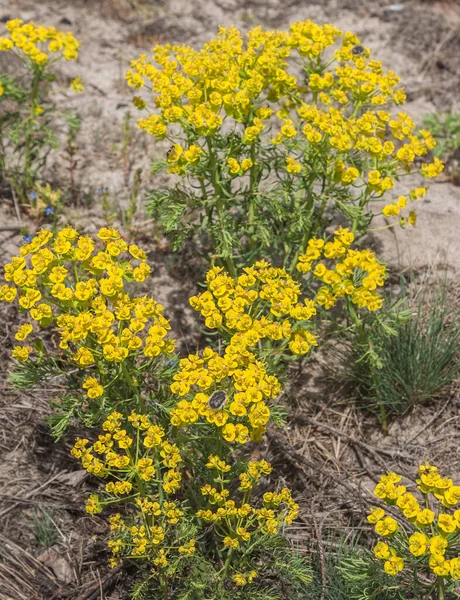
[
  {"x": 289, "y": 578},
  {"x": 28, "y": 115},
  {"x": 27, "y": 135},
  {"x": 44, "y": 527},
  {"x": 408, "y": 360},
  {"x": 350, "y": 572},
  {"x": 169, "y": 206},
  {"x": 445, "y": 128}
]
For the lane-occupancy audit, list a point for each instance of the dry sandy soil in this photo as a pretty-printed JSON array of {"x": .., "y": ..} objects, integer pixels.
[{"x": 421, "y": 42}]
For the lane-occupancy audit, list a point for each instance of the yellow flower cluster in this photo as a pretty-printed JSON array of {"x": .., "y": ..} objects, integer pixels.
[
  {"x": 240, "y": 524},
  {"x": 150, "y": 535},
  {"x": 356, "y": 273},
  {"x": 435, "y": 531},
  {"x": 394, "y": 208},
  {"x": 240, "y": 378},
  {"x": 154, "y": 458},
  {"x": 135, "y": 452},
  {"x": 261, "y": 303},
  {"x": 246, "y": 84},
  {"x": 242, "y": 579},
  {"x": 63, "y": 279},
  {"x": 224, "y": 78},
  {"x": 39, "y": 43}
]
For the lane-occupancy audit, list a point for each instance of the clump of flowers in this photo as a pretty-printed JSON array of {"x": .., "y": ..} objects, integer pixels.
[
  {"x": 422, "y": 543},
  {"x": 143, "y": 468},
  {"x": 107, "y": 335},
  {"x": 264, "y": 302},
  {"x": 243, "y": 380},
  {"x": 157, "y": 526},
  {"x": 39, "y": 43},
  {"x": 260, "y": 305},
  {"x": 262, "y": 316},
  {"x": 355, "y": 274},
  {"x": 29, "y": 118},
  {"x": 264, "y": 140}
]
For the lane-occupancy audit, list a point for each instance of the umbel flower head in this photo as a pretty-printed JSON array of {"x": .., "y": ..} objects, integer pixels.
[
  {"x": 144, "y": 471},
  {"x": 83, "y": 287},
  {"x": 38, "y": 43},
  {"x": 426, "y": 535}
]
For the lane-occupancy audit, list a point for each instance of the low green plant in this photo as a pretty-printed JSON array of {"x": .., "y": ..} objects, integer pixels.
[
  {"x": 27, "y": 111},
  {"x": 44, "y": 527},
  {"x": 173, "y": 450},
  {"x": 408, "y": 359},
  {"x": 349, "y": 571}
]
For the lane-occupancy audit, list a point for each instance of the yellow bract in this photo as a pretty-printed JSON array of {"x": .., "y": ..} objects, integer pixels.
[
  {"x": 40, "y": 43},
  {"x": 435, "y": 530},
  {"x": 63, "y": 279}
]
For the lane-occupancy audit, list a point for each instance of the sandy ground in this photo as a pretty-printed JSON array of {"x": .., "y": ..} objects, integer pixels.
[{"x": 421, "y": 42}]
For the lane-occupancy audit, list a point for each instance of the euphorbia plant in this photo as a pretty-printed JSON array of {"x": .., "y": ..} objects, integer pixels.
[{"x": 276, "y": 137}]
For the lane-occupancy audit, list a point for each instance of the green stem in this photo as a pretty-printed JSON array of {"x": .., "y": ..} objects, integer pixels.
[
  {"x": 251, "y": 208},
  {"x": 28, "y": 180},
  {"x": 301, "y": 247},
  {"x": 227, "y": 565},
  {"x": 441, "y": 588},
  {"x": 227, "y": 260}
]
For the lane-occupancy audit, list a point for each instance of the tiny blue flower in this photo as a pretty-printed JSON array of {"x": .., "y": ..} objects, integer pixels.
[
  {"x": 27, "y": 239},
  {"x": 33, "y": 195},
  {"x": 173, "y": 363},
  {"x": 49, "y": 210},
  {"x": 100, "y": 190}
]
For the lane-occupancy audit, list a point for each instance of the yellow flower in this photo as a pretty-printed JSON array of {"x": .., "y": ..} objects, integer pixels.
[
  {"x": 141, "y": 272},
  {"x": 350, "y": 175},
  {"x": 387, "y": 526},
  {"x": 230, "y": 542},
  {"x": 93, "y": 505},
  {"x": 394, "y": 564},
  {"x": 425, "y": 517},
  {"x": 438, "y": 545},
  {"x": 382, "y": 550},
  {"x": 239, "y": 579},
  {"x": 21, "y": 353},
  {"x": 76, "y": 84},
  {"x": 23, "y": 332},
  {"x": 439, "y": 565},
  {"x": 83, "y": 357},
  {"x": 233, "y": 166},
  {"x": 446, "y": 523},
  {"x": 93, "y": 387},
  {"x": 418, "y": 544},
  {"x": 292, "y": 166},
  {"x": 433, "y": 169},
  {"x": 376, "y": 515}
]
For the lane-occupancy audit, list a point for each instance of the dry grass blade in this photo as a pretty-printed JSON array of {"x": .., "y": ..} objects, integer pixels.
[{"x": 31, "y": 493}]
